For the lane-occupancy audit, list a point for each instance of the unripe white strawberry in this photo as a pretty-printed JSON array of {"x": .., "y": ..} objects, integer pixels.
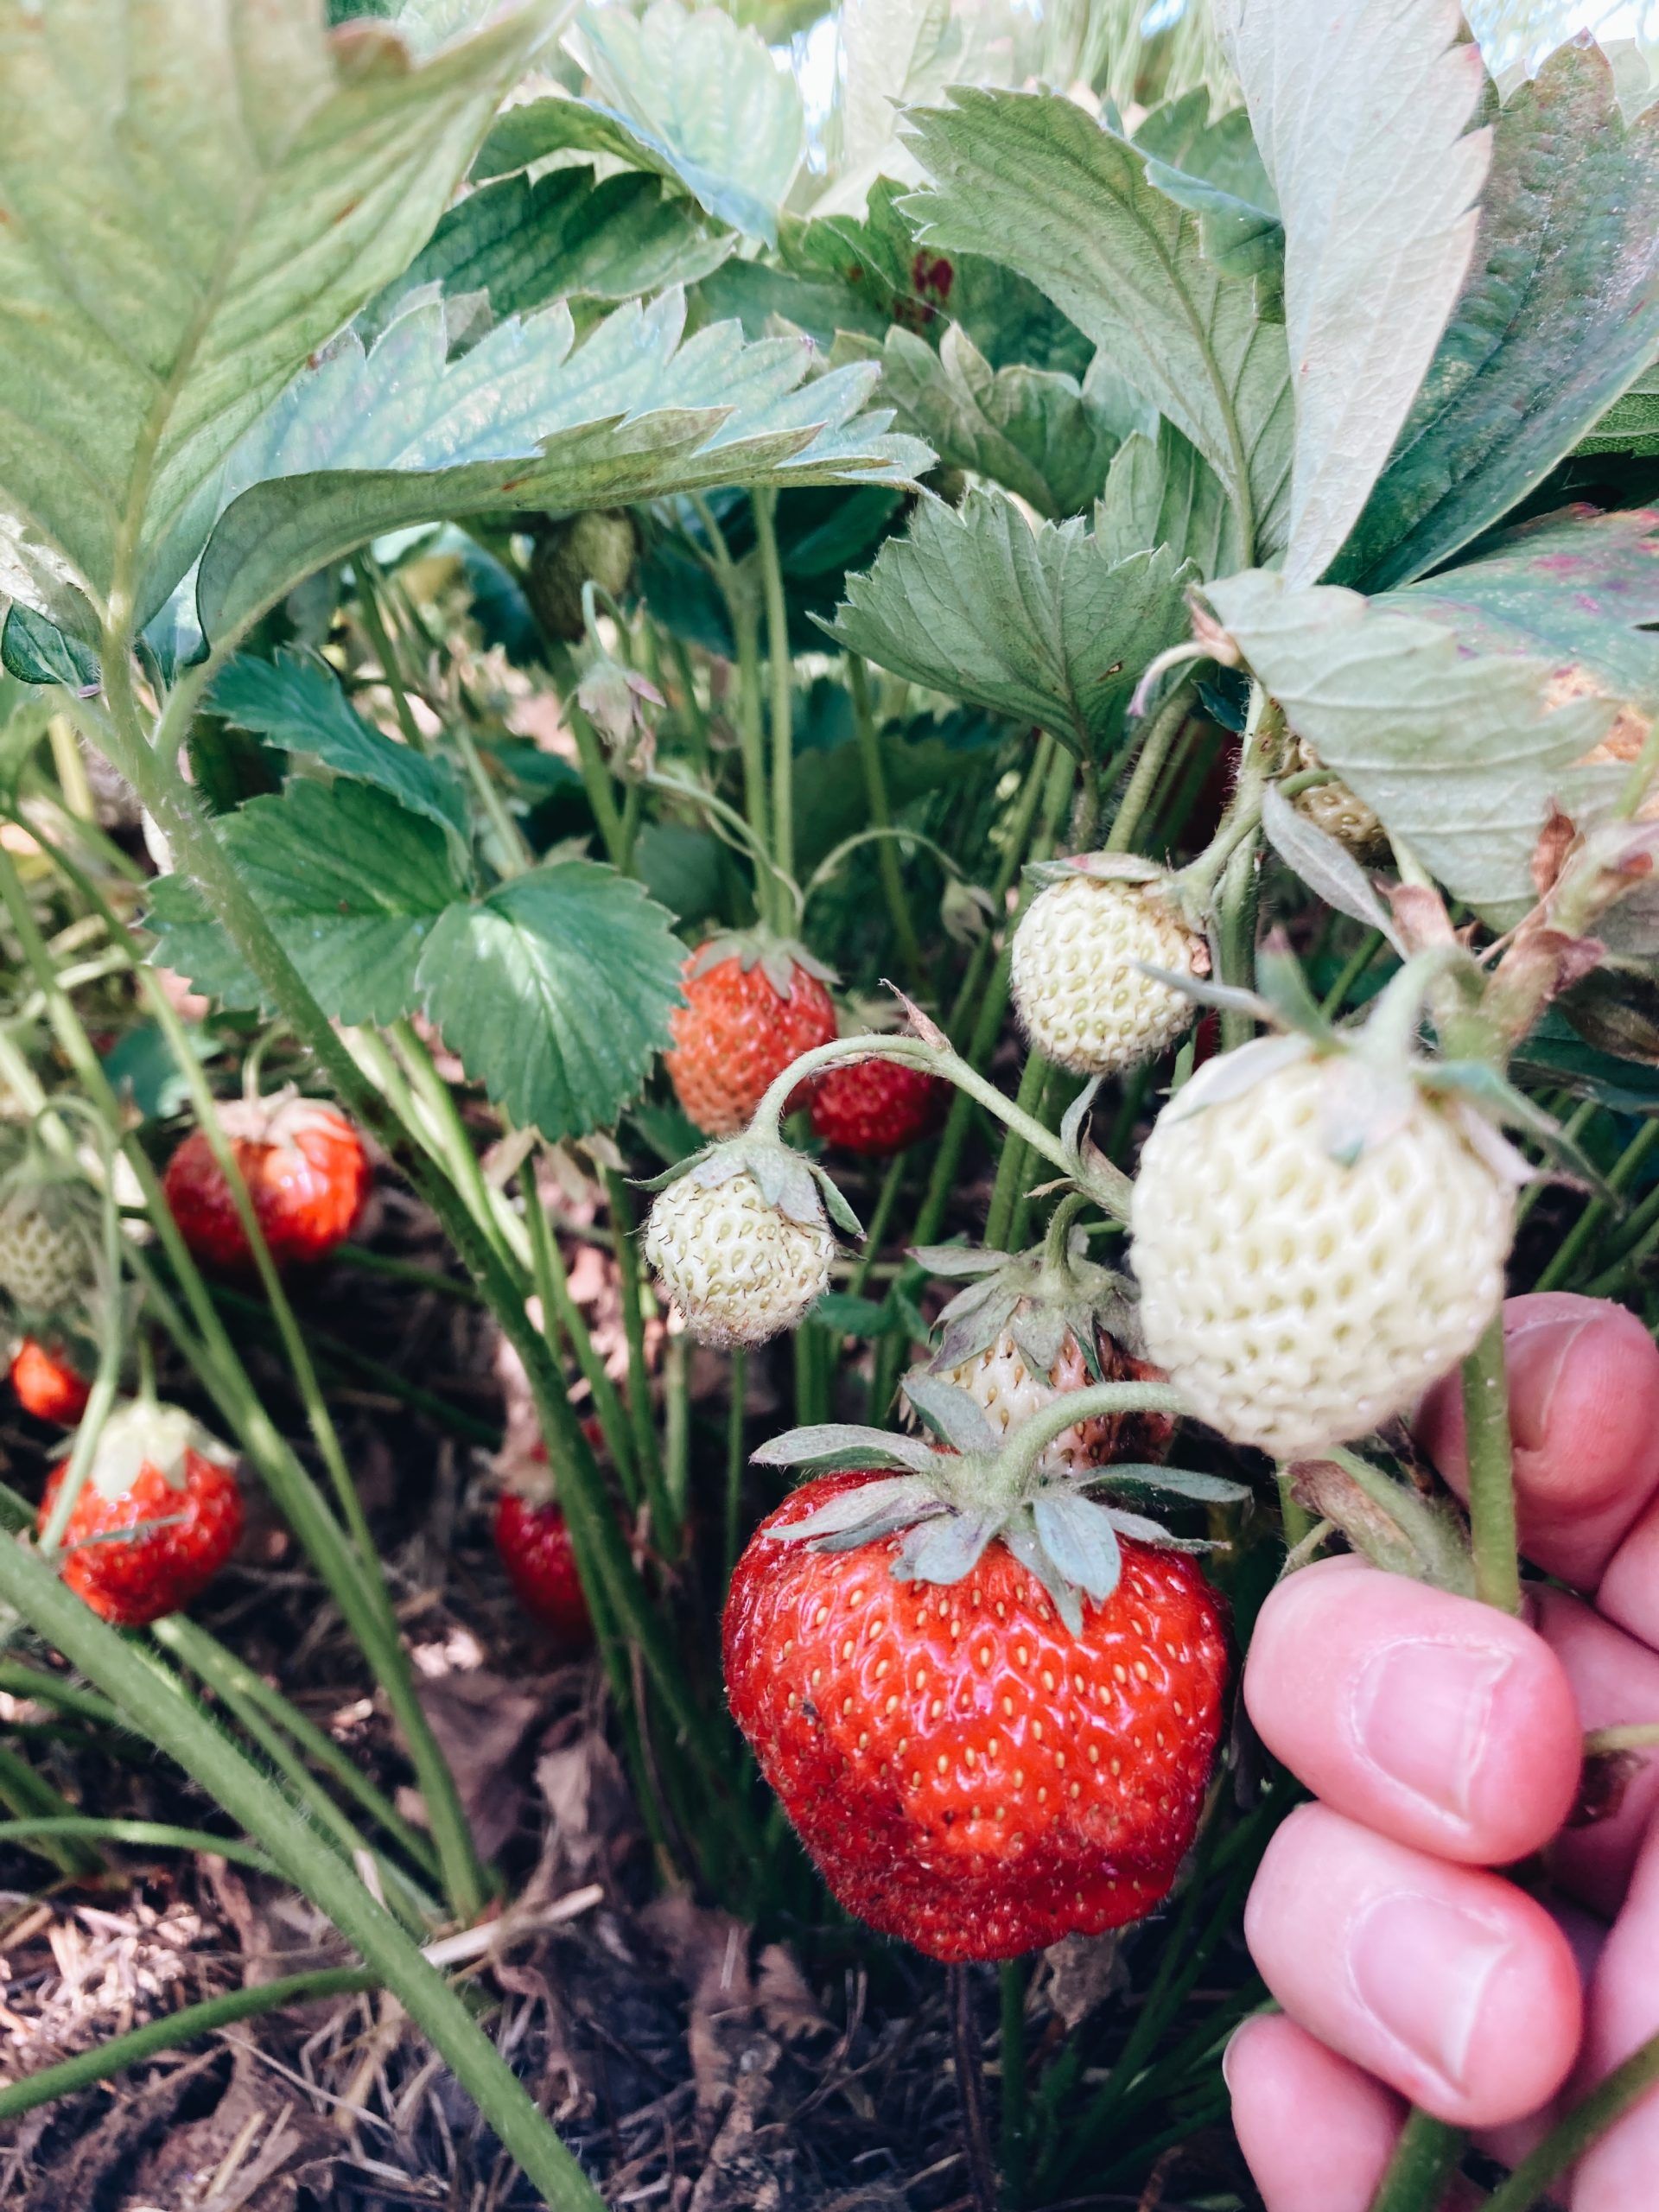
[
  {"x": 1078, "y": 987},
  {"x": 45, "y": 1247},
  {"x": 1008, "y": 1390},
  {"x": 740, "y": 1243},
  {"x": 1314, "y": 1246},
  {"x": 1341, "y": 814}
]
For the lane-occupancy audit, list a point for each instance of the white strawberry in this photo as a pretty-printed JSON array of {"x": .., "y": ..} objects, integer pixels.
[
  {"x": 1318, "y": 1237},
  {"x": 1079, "y": 988},
  {"x": 46, "y": 1246},
  {"x": 740, "y": 1243},
  {"x": 1341, "y": 814}
]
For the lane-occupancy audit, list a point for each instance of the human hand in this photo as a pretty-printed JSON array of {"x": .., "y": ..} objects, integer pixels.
[{"x": 1441, "y": 1739}]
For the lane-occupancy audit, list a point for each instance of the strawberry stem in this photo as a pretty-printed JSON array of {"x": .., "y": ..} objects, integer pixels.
[
  {"x": 1016, "y": 1463},
  {"x": 1491, "y": 1478}
]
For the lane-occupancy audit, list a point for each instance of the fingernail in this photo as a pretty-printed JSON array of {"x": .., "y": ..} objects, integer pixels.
[
  {"x": 1421, "y": 1968},
  {"x": 1535, "y": 1379},
  {"x": 1227, "y": 2052},
  {"x": 1421, "y": 1715}
]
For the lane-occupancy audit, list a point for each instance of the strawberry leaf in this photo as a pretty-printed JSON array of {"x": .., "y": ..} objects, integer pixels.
[
  {"x": 1078, "y": 1536},
  {"x": 946, "y": 1547},
  {"x": 1328, "y": 869},
  {"x": 1361, "y": 116},
  {"x": 1034, "y": 182},
  {"x": 955, "y": 1417},
  {"x": 351, "y": 883},
  {"x": 1560, "y": 316},
  {"x": 1038, "y": 625},
  {"x": 192, "y": 203},
  {"x": 555, "y": 989},
  {"x": 1161, "y": 490},
  {"x": 847, "y": 1446},
  {"x": 299, "y": 706}
]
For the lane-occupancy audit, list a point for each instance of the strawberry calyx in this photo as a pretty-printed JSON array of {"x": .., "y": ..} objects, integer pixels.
[
  {"x": 145, "y": 1433},
  {"x": 779, "y": 958},
  {"x": 1038, "y": 1298},
  {"x": 791, "y": 1184},
  {"x": 948, "y": 1501}
]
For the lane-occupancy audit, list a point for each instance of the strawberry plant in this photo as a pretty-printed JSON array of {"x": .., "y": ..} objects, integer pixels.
[{"x": 913, "y": 744}]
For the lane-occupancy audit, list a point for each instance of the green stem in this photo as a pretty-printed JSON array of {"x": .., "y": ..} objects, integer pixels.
[
  {"x": 1590, "y": 1222},
  {"x": 1235, "y": 934},
  {"x": 646, "y": 1449},
  {"x": 1425, "y": 2161},
  {"x": 175, "y": 2029},
  {"x": 780, "y": 669},
  {"x": 1156, "y": 749},
  {"x": 514, "y": 855},
  {"x": 177, "y": 1728},
  {"x": 31, "y": 1797},
  {"x": 1014, "y": 1165},
  {"x": 1492, "y": 1477},
  {"x": 596, "y": 782},
  {"x": 1353, "y": 968},
  {"x": 875, "y": 793},
  {"x": 560, "y": 1309},
  {"x": 153, "y": 1835},
  {"x": 875, "y": 1229},
  {"x": 1585, "y": 2124}
]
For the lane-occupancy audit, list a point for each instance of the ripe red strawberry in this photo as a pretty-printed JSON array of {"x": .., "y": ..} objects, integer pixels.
[
  {"x": 159, "y": 1514},
  {"x": 307, "y": 1172},
  {"x": 534, "y": 1542},
  {"x": 967, "y": 1772},
  {"x": 878, "y": 1107},
  {"x": 47, "y": 1385},
  {"x": 754, "y": 1004}
]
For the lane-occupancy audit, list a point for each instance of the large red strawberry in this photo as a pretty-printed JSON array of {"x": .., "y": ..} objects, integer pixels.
[
  {"x": 980, "y": 1756},
  {"x": 48, "y": 1384},
  {"x": 752, "y": 1004},
  {"x": 307, "y": 1172},
  {"x": 158, "y": 1516},
  {"x": 877, "y": 1107}
]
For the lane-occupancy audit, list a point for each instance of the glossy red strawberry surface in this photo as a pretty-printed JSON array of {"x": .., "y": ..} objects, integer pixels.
[
  {"x": 307, "y": 1172},
  {"x": 877, "y": 1107},
  {"x": 534, "y": 1542},
  {"x": 736, "y": 1033},
  {"x": 149, "y": 1551},
  {"x": 47, "y": 1385},
  {"x": 967, "y": 1774}
]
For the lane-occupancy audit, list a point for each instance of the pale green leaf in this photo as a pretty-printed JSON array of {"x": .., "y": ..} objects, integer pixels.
[
  {"x": 369, "y": 442},
  {"x": 1161, "y": 490},
  {"x": 1031, "y": 181},
  {"x": 555, "y": 992},
  {"x": 564, "y": 237},
  {"x": 899, "y": 54},
  {"x": 1036, "y": 432},
  {"x": 688, "y": 94},
  {"x": 1458, "y": 754},
  {"x": 1362, "y": 115},
  {"x": 299, "y": 705},
  {"x": 351, "y": 884},
  {"x": 1559, "y": 317},
  {"x": 1039, "y": 625},
  {"x": 1214, "y": 168},
  {"x": 1630, "y": 424},
  {"x": 191, "y": 200},
  {"x": 1579, "y": 589}
]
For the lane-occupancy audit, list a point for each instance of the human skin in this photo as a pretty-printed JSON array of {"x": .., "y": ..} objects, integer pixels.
[{"x": 1442, "y": 1741}]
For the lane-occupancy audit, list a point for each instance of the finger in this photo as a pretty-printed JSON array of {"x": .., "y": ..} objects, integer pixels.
[
  {"x": 1437, "y": 1721},
  {"x": 1618, "y": 2174},
  {"x": 1584, "y": 1412},
  {"x": 1316, "y": 2133},
  {"x": 1615, "y": 1682},
  {"x": 1448, "y": 1984}
]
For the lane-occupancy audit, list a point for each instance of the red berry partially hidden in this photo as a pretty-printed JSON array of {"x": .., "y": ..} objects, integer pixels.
[
  {"x": 157, "y": 1516},
  {"x": 750, "y": 1010},
  {"x": 47, "y": 1385},
  {"x": 534, "y": 1542},
  {"x": 878, "y": 1107},
  {"x": 307, "y": 1172},
  {"x": 967, "y": 1774}
]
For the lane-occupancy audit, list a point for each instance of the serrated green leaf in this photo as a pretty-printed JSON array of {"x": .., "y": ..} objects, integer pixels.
[
  {"x": 301, "y": 707},
  {"x": 1214, "y": 168},
  {"x": 1457, "y": 754},
  {"x": 191, "y": 202},
  {"x": 1038, "y": 625},
  {"x": 686, "y": 94},
  {"x": 1631, "y": 424},
  {"x": 1362, "y": 117},
  {"x": 1034, "y": 182},
  {"x": 351, "y": 884},
  {"x": 1579, "y": 588},
  {"x": 566, "y": 235},
  {"x": 556, "y": 991},
  {"x": 1561, "y": 316},
  {"x": 1161, "y": 490},
  {"x": 37, "y": 651},
  {"x": 367, "y": 442},
  {"x": 1042, "y": 435}
]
